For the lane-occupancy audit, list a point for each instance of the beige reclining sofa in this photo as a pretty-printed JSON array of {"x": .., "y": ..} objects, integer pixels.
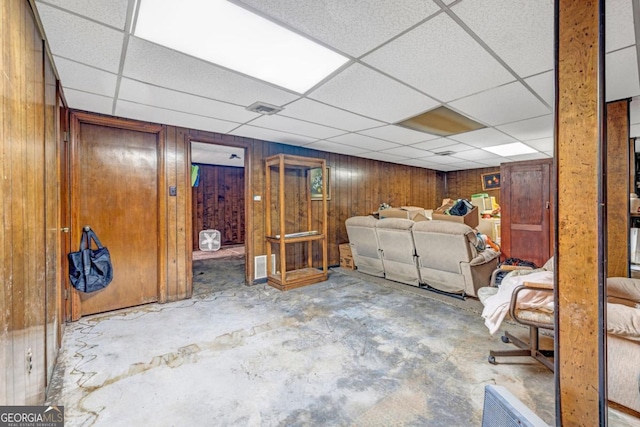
[{"x": 443, "y": 255}]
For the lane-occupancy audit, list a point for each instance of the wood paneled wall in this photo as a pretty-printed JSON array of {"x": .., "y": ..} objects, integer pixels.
[
  {"x": 358, "y": 187},
  {"x": 29, "y": 257},
  {"x": 463, "y": 184},
  {"x": 218, "y": 203}
]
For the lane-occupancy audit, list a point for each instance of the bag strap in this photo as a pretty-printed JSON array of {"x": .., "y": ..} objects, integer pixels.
[
  {"x": 84, "y": 240},
  {"x": 92, "y": 235}
]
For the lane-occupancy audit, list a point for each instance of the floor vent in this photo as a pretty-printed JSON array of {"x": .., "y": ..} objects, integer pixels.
[
  {"x": 260, "y": 266},
  {"x": 502, "y": 409}
]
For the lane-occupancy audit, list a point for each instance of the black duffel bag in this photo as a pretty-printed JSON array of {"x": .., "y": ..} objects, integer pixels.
[{"x": 90, "y": 269}]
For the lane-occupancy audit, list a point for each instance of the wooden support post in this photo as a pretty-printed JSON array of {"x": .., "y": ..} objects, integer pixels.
[
  {"x": 617, "y": 194},
  {"x": 580, "y": 339}
]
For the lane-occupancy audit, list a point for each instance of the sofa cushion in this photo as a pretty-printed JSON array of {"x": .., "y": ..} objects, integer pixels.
[
  {"x": 623, "y": 321},
  {"x": 623, "y": 288}
]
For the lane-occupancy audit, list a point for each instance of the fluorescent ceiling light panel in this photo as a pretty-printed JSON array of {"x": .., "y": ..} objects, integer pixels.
[
  {"x": 508, "y": 150},
  {"x": 228, "y": 35}
]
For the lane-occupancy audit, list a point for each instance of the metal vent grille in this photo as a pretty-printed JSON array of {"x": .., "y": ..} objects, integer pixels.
[
  {"x": 260, "y": 266},
  {"x": 502, "y": 409},
  {"x": 264, "y": 108},
  {"x": 444, "y": 153}
]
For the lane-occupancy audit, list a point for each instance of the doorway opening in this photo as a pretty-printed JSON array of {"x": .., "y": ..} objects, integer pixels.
[{"x": 218, "y": 208}]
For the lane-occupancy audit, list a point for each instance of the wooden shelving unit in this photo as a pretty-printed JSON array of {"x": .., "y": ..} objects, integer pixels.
[{"x": 281, "y": 278}]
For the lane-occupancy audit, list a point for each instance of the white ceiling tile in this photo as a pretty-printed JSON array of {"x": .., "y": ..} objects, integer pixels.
[
  {"x": 445, "y": 168},
  {"x": 367, "y": 92},
  {"x": 527, "y": 130},
  {"x": 532, "y": 156},
  {"x": 316, "y": 112},
  {"x": 112, "y": 12},
  {"x": 160, "y": 115},
  {"x": 467, "y": 165},
  {"x": 435, "y": 143},
  {"x": 634, "y": 110},
  {"x": 520, "y": 32},
  {"x": 383, "y": 157},
  {"x": 81, "y": 40},
  {"x": 352, "y": 27},
  {"x": 503, "y": 104},
  {"x": 483, "y": 137},
  {"x": 543, "y": 85},
  {"x": 493, "y": 161},
  {"x": 441, "y": 160},
  {"x": 142, "y": 93},
  {"x": 475, "y": 154},
  {"x": 456, "y": 148},
  {"x": 398, "y": 134},
  {"x": 363, "y": 141},
  {"x": 549, "y": 153},
  {"x": 436, "y": 58},
  {"x": 407, "y": 151},
  {"x": 417, "y": 163},
  {"x": 622, "y": 74},
  {"x": 158, "y": 65},
  {"x": 634, "y": 131},
  {"x": 619, "y": 24},
  {"x": 334, "y": 147},
  {"x": 88, "y": 101},
  {"x": 272, "y": 135},
  {"x": 214, "y": 154},
  {"x": 543, "y": 144},
  {"x": 299, "y": 127},
  {"x": 79, "y": 76}
]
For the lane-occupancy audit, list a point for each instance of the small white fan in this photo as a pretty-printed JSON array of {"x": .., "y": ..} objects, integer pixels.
[{"x": 209, "y": 240}]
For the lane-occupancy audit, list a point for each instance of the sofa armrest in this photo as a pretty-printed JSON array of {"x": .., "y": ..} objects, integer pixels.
[{"x": 484, "y": 257}]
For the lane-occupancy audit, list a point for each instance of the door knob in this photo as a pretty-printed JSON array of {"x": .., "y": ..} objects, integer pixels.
[{"x": 65, "y": 229}]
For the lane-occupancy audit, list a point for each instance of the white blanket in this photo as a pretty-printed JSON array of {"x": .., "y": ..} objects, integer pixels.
[{"x": 497, "y": 306}]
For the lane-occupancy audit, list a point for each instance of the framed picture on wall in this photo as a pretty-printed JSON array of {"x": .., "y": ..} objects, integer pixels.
[
  {"x": 491, "y": 181},
  {"x": 315, "y": 183}
]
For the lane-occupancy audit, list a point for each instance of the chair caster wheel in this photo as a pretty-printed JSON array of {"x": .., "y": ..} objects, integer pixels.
[
  {"x": 492, "y": 360},
  {"x": 505, "y": 339}
]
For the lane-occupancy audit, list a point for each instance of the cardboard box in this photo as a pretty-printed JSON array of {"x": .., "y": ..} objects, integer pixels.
[
  {"x": 345, "y": 250},
  {"x": 471, "y": 218},
  {"x": 347, "y": 262},
  {"x": 409, "y": 212},
  {"x": 346, "y": 258}
]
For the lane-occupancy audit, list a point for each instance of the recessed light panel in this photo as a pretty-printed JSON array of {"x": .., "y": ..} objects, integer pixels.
[
  {"x": 225, "y": 34},
  {"x": 441, "y": 121},
  {"x": 508, "y": 150}
]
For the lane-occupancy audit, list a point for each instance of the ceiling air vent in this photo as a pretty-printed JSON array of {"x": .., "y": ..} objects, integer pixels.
[
  {"x": 444, "y": 153},
  {"x": 264, "y": 108}
]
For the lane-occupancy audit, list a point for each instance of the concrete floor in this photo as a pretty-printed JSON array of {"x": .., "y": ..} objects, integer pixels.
[{"x": 350, "y": 351}]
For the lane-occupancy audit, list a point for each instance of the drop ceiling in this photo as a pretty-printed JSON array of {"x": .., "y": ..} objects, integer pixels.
[{"x": 490, "y": 60}]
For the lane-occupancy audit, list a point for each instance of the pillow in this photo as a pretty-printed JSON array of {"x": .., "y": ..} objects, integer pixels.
[
  {"x": 624, "y": 288},
  {"x": 548, "y": 265}
]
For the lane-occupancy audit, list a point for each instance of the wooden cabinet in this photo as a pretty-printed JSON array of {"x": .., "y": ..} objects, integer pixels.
[
  {"x": 292, "y": 221},
  {"x": 526, "y": 210}
]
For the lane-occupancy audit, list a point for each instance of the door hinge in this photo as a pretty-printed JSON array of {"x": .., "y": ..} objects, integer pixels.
[
  {"x": 547, "y": 205},
  {"x": 65, "y": 136},
  {"x": 66, "y": 293}
]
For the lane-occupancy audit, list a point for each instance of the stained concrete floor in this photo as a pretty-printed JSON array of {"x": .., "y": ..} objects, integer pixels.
[{"x": 351, "y": 351}]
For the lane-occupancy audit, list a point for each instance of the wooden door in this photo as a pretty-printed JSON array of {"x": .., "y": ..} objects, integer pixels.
[
  {"x": 114, "y": 178},
  {"x": 525, "y": 210}
]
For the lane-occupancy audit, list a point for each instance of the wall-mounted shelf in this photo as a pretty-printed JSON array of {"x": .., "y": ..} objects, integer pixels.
[{"x": 276, "y": 234}]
